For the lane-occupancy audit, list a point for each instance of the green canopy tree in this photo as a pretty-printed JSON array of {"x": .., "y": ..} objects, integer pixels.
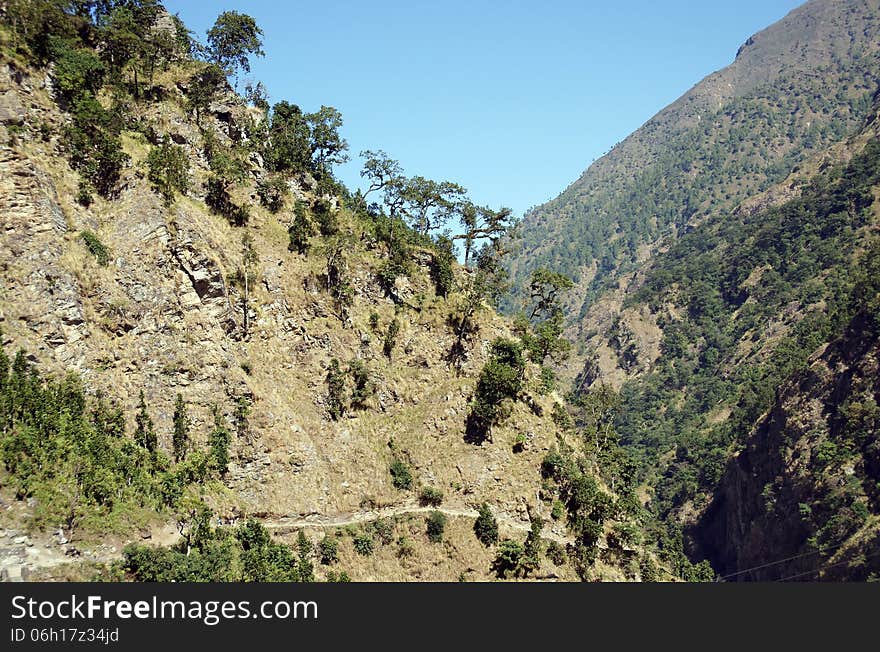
[
  {"x": 289, "y": 146},
  {"x": 168, "y": 170},
  {"x": 482, "y": 222},
  {"x": 204, "y": 87},
  {"x": 541, "y": 332},
  {"x": 429, "y": 204},
  {"x": 232, "y": 40},
  {"x": 380, "y": 170},
  {"x": 327, "y": 147}
]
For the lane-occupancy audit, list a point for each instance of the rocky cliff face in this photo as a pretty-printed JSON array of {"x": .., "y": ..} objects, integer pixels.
[
  {"x": 162, "y": 317},
  {"x": 800, "y": 500}
]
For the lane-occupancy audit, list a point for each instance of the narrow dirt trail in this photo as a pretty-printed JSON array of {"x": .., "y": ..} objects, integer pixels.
[
  {"x": 282, "y": 524},
  {"x": 27, "y": 557}
]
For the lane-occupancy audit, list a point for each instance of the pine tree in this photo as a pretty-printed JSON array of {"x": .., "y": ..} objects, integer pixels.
[
  {"x": 145, "y": 433},
  {"x": 305, "y": 569},
  {"x": 486, "y": 527},
  {"x": 218, "y": 441},
  {"x": 180, "y": 438},
  {"x": 335, "y": 390},
  {"x": 531, "y": 558},
  {"x": 391, "y": 337},
  {"x": 247, "y": 277}
]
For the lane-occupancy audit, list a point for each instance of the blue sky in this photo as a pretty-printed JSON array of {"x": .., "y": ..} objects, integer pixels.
[{"x": 511, "y": 99}]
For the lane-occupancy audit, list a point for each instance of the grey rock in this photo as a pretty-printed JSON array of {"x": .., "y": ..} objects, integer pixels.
[{"x": 12, "y": 111}]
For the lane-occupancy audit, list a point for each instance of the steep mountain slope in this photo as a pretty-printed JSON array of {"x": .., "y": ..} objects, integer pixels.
[
  {"x": 338, "y": 386},
  {"x": 714, "y": 251},
  {"x": 741, "y": 302},
  {"x": 800, "y": 501},
  {"x": 794, "y": 88}
]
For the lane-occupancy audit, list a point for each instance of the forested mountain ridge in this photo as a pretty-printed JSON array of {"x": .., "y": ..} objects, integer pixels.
[
  {"x": 207, "y": 337},
  {"x": 793, "y": 89},
  {"x": 798, "y": 499},
  {"x": 715, "y": 251}
]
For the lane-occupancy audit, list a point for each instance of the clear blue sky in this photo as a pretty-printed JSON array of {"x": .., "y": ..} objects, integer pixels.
[{"x": 512, "y": 99}]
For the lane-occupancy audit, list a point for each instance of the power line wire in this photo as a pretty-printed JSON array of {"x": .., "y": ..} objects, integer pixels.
[
  {"x": 780, "y": 561},
  {"x": 819, "y": 570}
]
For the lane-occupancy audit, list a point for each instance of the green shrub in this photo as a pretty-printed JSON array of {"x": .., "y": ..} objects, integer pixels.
[
  {"x": 436, "y": 523},
  {"x": 441, "y": 267},
  {"x": 218, "y": 442},
  {"x": 335, "y": 390},
  {"x": 272, "y": 191},
  {"x": 326, "y": 217},
  {"x": 391, "y": 338},
  {"x": 648, "y": 569},
  {"x": 384, "y": 529},
  {"x": 362, "y": 386},
  {"x": 430, "y": 496},
  {"x": 84, "y": 193},
  {"x": 203, "y": 87},
  {"x": 556, "y": 553},
  {"x": 547, "y": 381},
  {"x": 401, "y": 476},
  {"x": 168, "y": 170},
  {"x": 507, "y": 561},
  {"x": 220, "y": 201},
  {"x": 97, "y": 248},
  {"x": 76, "y": 71},
  {"x": 341, "y": 576},
  {"x": 363, "y": 544},
  {"x": 625, "y": 535},
  {"x": 501, "y": 378},
  {"x": 328, "y": 550},
  {"x": 180, "y": 436},
  {"x": 96, "y": 155},
  {"x": 300, "y": 230},
  {"x": 15, "y": 133},
  {"x": 485, "y": 526},
  {"x": 337, "y": 279},
  {"x": 405, "y": 548}
]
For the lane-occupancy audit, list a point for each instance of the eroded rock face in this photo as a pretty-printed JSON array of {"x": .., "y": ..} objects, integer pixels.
[
  {"x": 44, "y": 293},
  {"x": 12, "y": 111}
]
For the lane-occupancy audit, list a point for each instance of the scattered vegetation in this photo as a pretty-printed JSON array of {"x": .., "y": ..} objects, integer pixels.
[
  {"x": 207, "y": 554},
  {"x": 97, "y": 248},
  {"x": 72, "y": 454}
]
